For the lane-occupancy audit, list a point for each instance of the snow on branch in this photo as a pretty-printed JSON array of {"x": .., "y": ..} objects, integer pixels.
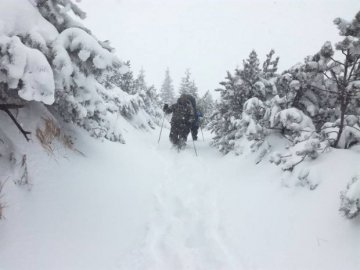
[{"x": 26, "y": 70}]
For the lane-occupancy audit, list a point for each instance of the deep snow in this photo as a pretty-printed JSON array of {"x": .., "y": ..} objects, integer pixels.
[{"x": 144, "y": 206}]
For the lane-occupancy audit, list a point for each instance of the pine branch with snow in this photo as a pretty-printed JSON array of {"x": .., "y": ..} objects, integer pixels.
[{"x": 56, "y": 12}]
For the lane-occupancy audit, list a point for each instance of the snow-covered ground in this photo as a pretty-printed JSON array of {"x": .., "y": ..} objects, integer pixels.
[{"x": 144, "y": 206}]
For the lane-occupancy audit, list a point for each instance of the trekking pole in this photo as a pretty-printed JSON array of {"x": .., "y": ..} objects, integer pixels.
[
  {"x": 194, "y": 147},
  {"x": 162, "y": 125}
]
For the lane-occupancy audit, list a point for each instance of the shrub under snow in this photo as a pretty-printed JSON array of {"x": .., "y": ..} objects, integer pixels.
[{"x": 350, "y": 199}]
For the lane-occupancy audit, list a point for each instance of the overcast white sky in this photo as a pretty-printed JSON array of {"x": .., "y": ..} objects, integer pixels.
[{"x": 213, "y": 36}]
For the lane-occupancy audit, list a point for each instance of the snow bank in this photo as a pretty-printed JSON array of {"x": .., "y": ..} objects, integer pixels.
[{"x": 178, "y": 211}]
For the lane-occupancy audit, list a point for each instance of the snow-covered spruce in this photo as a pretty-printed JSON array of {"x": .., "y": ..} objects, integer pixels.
[
  {"x": 92, "y": 84},
  {"x": 350, "y": 199},
  {"x": 150, "y": 101},
  {"x": 80, "y": 63},
  {"x": 52, "y": 58},
  {"x": 228, "y": 121},
  {"x": 313, "y": 104},
  {"x": 188, "y": 86},
  {"x": 206, "y": 106},
  {"x": 341, "y": 80},
  {"x": 167, "y": 94},
  {"x": 25, "y": 74}
]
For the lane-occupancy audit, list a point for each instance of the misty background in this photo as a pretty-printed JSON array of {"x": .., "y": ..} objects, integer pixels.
[{"x": 212, "y": 36}]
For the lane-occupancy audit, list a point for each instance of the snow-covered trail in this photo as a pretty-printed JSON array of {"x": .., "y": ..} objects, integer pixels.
[
  {"x": 145, "y": 206},
  {"x": 184, "y": 231},
  {"x": 141, "y": 205}
]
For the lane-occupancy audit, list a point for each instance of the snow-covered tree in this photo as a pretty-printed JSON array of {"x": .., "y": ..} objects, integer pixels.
[
  {"x": 249, "y": 75},
  {"x": 167, "y": 89},
  {"x": 140, "y": 83},
  {"x": 80, "y": 64},
  {"x": 61, "y": 58},
  {"x": 124, "y": 80},
  {"x": 151, "y": 106},
  {"x": 25, "y": 73},
  {"x": 323, "y": 91},
  {"x": 229, "y": 123},
  {"x": 188, "y": 86},
  {"x": 343, "y": 77},
  {"x": 206, "y": 106},
  {"x": 147, "y": 100},
  {"x": 326, "y": 89},
  {"x": 83, "y": 67},
  {"x": 227, "y": 114}
]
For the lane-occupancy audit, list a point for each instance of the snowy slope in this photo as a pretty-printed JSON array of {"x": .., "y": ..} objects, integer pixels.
[
  {"x": 144, "y": 206},
  {"x": 141, "y": 205}
]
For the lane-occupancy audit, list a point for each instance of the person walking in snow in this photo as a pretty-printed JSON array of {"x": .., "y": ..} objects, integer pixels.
[
  {"x": 183, "y": 117},
  {"x": 197, "y": 114}
]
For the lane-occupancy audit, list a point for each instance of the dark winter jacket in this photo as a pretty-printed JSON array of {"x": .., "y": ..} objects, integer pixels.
[{"x": 183, "y": 112}]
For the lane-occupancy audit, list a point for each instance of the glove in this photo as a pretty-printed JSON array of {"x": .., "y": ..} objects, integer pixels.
[{"x": 166, "y": 107}]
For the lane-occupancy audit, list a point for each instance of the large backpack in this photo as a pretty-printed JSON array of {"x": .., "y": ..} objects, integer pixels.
[
  {"x": 193, "y": 104},
  {"x": 182, "y": 111}
]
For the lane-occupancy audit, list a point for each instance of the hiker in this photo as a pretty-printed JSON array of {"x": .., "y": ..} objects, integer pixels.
[
  {"x": 197, "y": 114},
  {"x": 182, "y": 120}
]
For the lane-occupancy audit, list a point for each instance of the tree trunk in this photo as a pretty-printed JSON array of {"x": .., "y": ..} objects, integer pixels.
[
  {"x": 342, "y": 119},
  {"x": 344, "y": 96}
]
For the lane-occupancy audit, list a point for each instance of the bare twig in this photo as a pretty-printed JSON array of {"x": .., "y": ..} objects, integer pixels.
[
  {"x": 291, "y": 168},
  {"x": 336, "y": 61},
  {"x": 6, "y": 108}
]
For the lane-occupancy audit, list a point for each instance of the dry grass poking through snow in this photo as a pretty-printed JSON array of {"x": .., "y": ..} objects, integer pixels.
[
  {"x": 23, "y": 178},
  {"x": 51, "y": 133}
]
